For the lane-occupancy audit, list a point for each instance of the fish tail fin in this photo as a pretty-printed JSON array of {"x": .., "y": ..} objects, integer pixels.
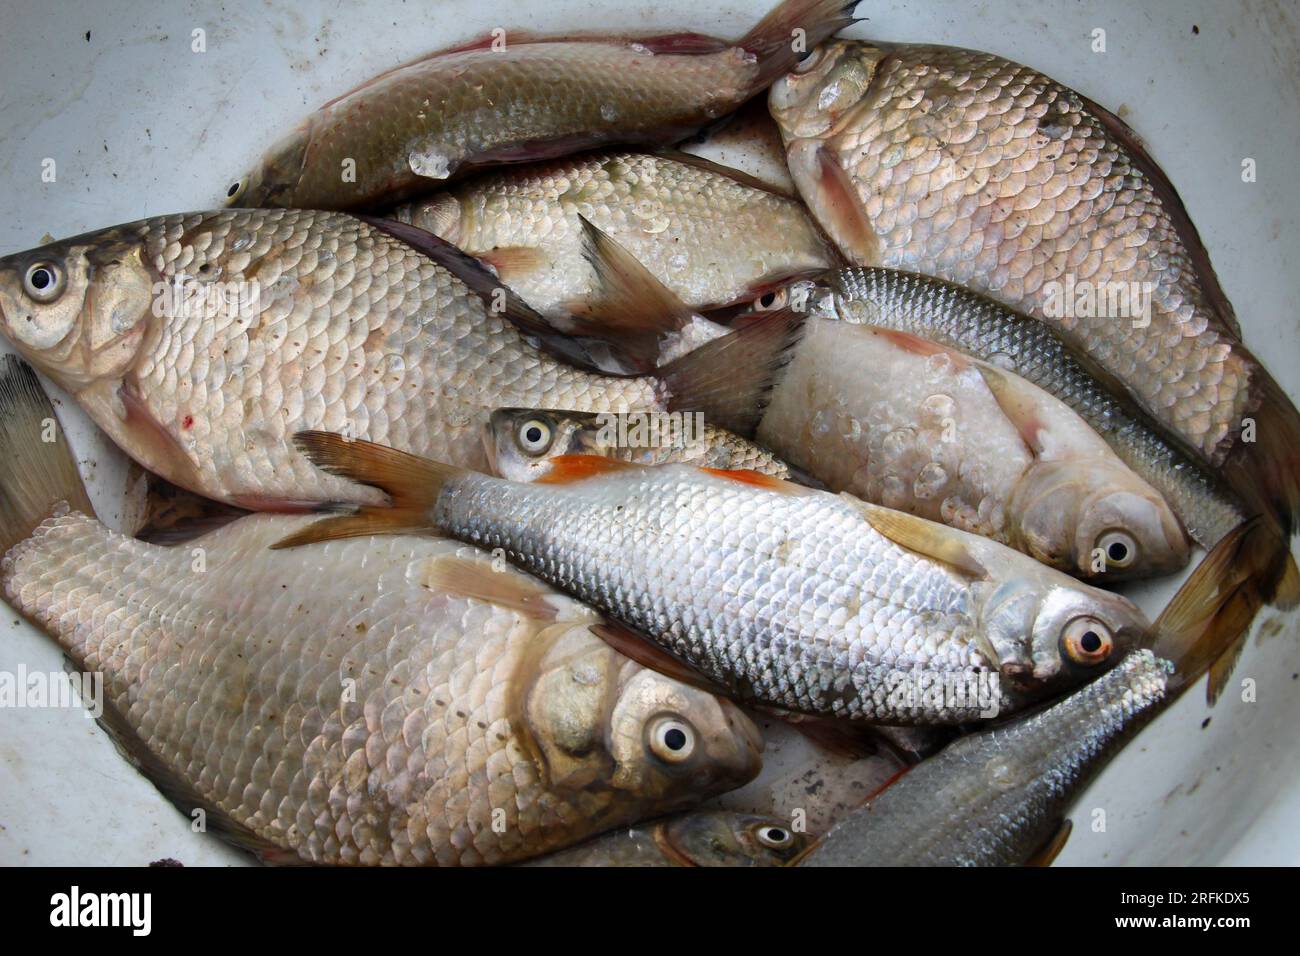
[
  {"x": 412, "y": 484},
  {"x": 1204, "y": 626},
  {"x": 783, "y": 37},
  {"x": 37, "y": 468},
  {"x": 730, "y": 379},
  {"x": 1264, "y": 467}
]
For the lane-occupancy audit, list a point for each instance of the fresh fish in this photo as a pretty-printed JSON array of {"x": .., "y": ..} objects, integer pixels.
[
  {"x": 701, "y": 838},
  {"x": 524, "y": 444},
  {"x": 785, "y": 596},
  {"x": 901, "y": 421},
  {"x": 200, "y": 343},
  {"x": 999, "y": 797},
  {"x": 978, "y": 326},
  {"x": 712, "y": 235},
  {"x": 511, "y": 97},
  {"x": 983, "y": 172},
  {"x": 394, "y": 700}
]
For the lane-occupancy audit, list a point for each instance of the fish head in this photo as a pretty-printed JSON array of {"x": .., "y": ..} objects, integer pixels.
[
  {"x": 1049, "y": 635},
  {"x": 272, "y": 181},
  {"x": 1096, "y": 519},
  {"x": 810, "y": 295},
  {"x": 601, "y": 722},
  {"x": 722, "y": 838},
  {"x": 810, "y": 101},
  {"x": 78, "y": 309},
  {"x": 522, "y": 443}
]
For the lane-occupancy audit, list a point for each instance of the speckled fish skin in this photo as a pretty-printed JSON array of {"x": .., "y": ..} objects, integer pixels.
[
  {"x": 710, "y": 238},
  {"x": 995, "y": 798},
  {"x": 515, "y": 98},
  {"x": 702, "y": 838},
  {"x": 677, "y": 438},
  {"x": 349, "y": 330},
  {"x": 909, "y": 424},
  {"x": 462, "y": 712},
  {"x": 790, "y": 597},
  {"x": 952, "y": 316},
  {"x": 984, "y": 172}
]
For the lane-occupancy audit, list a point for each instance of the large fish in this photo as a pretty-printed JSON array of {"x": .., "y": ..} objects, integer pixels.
[
  {"x": 999, "y": 797},
  {"x": 899, "y": 420},
  {"x": 788, "y": 597},
  {"x": 980, "y": 171},
  {"x": 714, "y": 236},
  {"x": 512, "y": 97},
  {"x": 701, "y": 838},
  {"x": 389, "y": 701},
  {"x": 200, "y": 343}
]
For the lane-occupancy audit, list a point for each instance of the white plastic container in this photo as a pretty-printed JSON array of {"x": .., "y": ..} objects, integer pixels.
[{"x": 148, "y": 108}]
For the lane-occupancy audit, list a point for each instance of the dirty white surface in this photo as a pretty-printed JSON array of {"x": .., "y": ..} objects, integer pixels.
[{"x": 139, "y": 124}]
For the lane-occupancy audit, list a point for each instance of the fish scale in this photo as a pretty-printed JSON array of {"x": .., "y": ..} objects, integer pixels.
[
  {"x": 790, "y": 597},
  {"x": 991, "y": 175},
  {"x": 236, "y": 678},
  {"x": 349, "y": 330}
]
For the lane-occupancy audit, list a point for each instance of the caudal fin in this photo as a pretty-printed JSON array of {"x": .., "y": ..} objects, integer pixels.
[
  {"x": 37, "y": 469},
  {"x": 1264, "y": 466},
  {"x": 412, "y": 484},
  {"x": 1205, "y": 625},
  {"x": 787, "y": 34}
]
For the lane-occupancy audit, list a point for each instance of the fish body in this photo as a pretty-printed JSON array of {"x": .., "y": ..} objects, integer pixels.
[
  {"x": 525, "y": 443},
  {"x": 788, "y": 597},
  {"x": 200, "y": 343},
  {"x": 909, "y": 424},
  {"x": 515, "y": 98},
  {"x": 986, "y": 173},
  {"x": 700, "y": 838},
  {"x": 951, "y": 316},
  {"x": 996, "y": 797},
  {"x": 711, "y": 235},
  {"x": 346, "y": 705}
]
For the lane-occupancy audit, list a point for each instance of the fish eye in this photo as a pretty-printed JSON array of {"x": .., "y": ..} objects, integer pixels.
[
  {"x": 43, "y": 281},
  {"x": 1119, "y": 548},
  {"x": 535, "y": 436},
  {"x": 236, "y": 190},
  {"x": 1088, "y": 641},
  {"x": 770, "y": 300},
  {"x": 777, "y": 838},
  {"x": 672, "y": 740}
]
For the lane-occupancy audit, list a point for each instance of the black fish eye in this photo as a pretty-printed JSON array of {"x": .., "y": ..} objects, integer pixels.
[
  {"x": 767, "y": 299},
  {"x": 1090, "y": 642},
  {"x": 1117, "y": 551},
  {"x": 674, "y": 739},
  {"x": 534, "y": 434},
  {"x": 41, "y": 278},
  {"x": 234, "y": 188},
  {"x": 43, "y": 281}
]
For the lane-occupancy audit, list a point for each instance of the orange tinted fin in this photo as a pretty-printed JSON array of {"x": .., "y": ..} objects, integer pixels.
[
  {"x": 759, "y": 480},
  {"x": 648, "y": 654},
  {"x": 477, "y": 579},
  {"x": 412, "y": 484},
  {"x": 514, "y": 262},
  {"x": 730, "y": 379},
  {"x": 842, "y": 213},
  {"x": 566, "y": 469},
  {"x": 1049, "y": 851}
]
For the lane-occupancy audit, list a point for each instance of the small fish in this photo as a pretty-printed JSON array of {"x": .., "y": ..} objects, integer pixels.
[
  {"x": 524, "y": 444},
  {"x": 379, "y": 701},
  {"x": 977, "y": 170},
  {"x": 512, "y": 97},
  {"x": 898, "y": 420},
  {"x": 200, "y": 343},
  {"x": 713, "y": 235},
  {"x": 701, "y": 838},
  {"x": 785, "y": 596},
  {"x": 999, "y": 797}
]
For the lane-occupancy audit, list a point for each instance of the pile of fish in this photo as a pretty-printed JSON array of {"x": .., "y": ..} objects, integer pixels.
[{"x": 612, "y": 455}]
